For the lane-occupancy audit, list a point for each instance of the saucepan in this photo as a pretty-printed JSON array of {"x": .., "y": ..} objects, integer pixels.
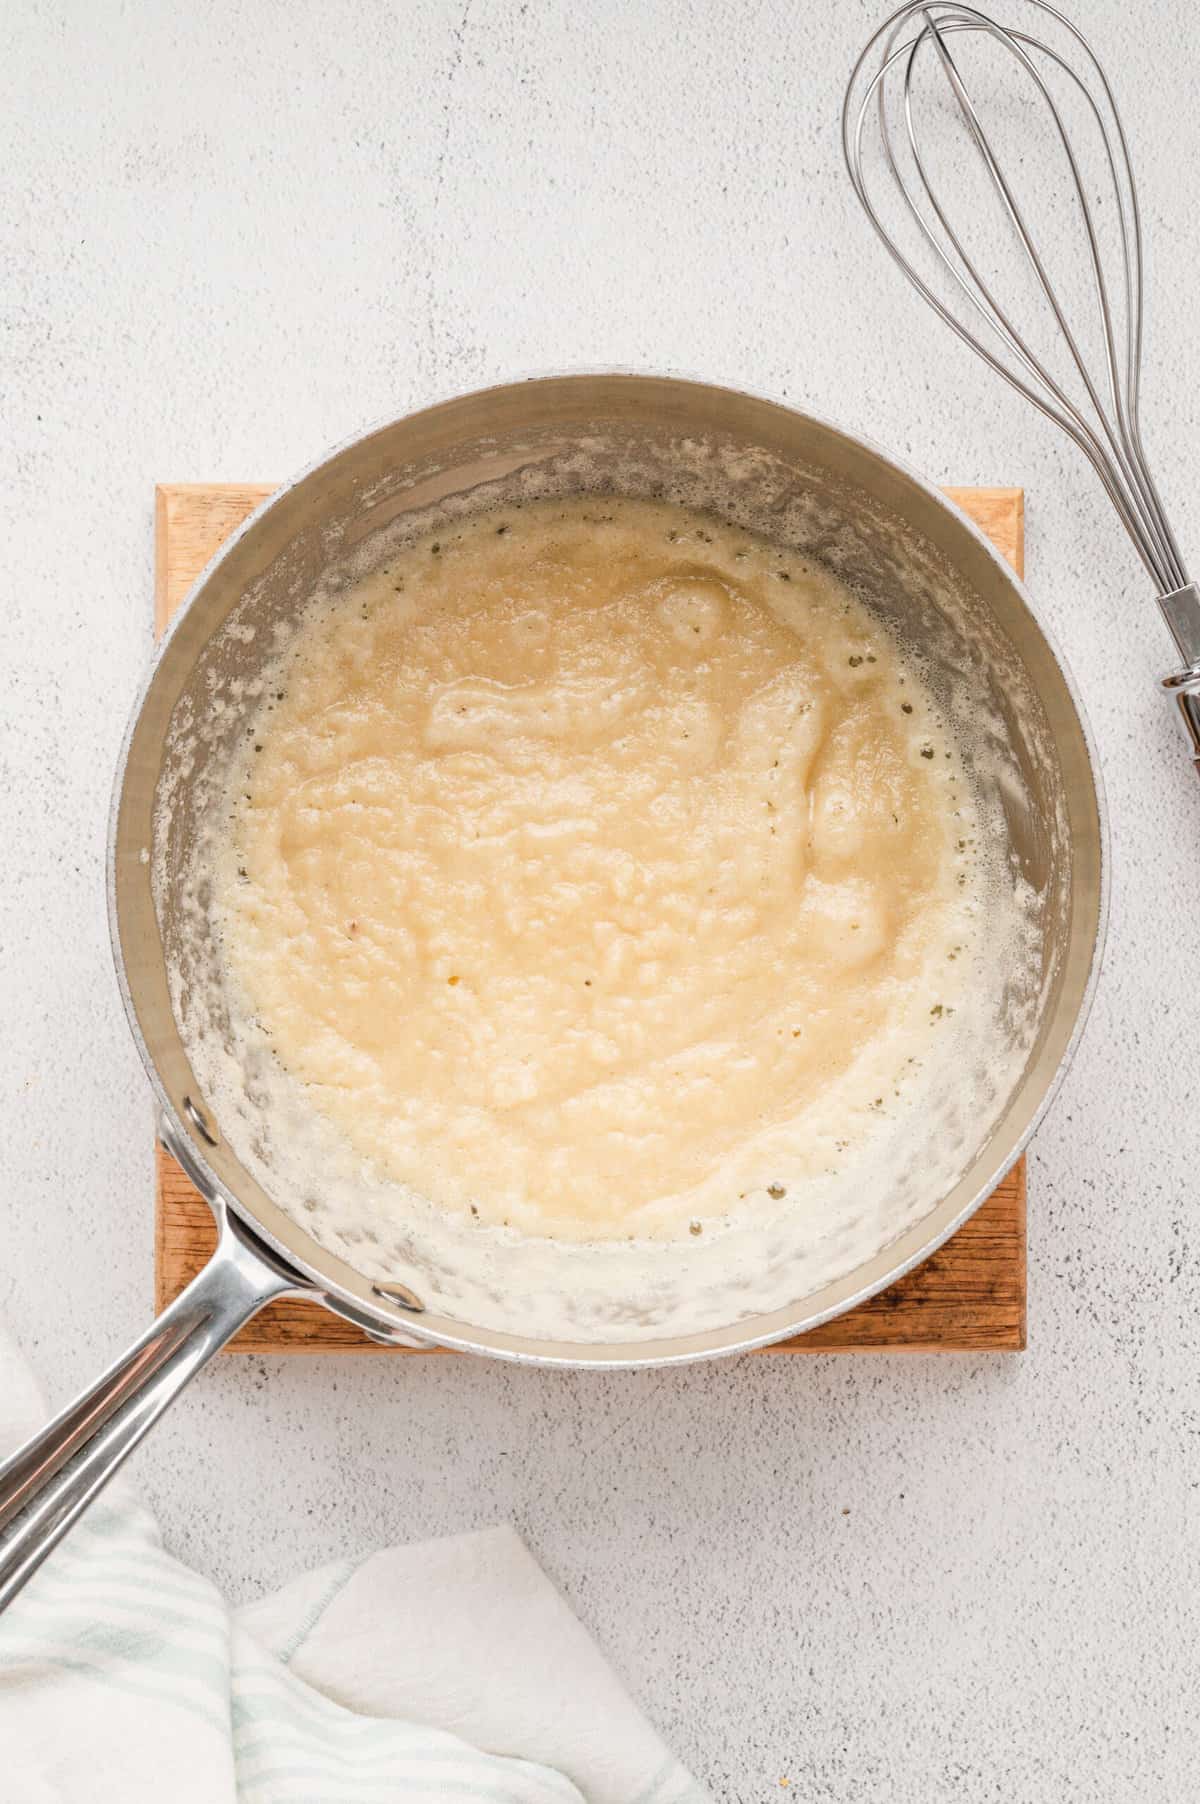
[{"x": 914, "y": 558}]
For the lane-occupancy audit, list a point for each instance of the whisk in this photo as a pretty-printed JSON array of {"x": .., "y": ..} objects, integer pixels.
[{"x": 1101, "y": 416}]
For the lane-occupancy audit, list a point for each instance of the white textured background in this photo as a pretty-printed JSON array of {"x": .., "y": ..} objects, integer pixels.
[{"x": 233, "y": 233}]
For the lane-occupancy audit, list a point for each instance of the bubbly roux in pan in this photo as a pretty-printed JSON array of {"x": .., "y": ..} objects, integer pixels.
[{"x": 595, "y": 865}]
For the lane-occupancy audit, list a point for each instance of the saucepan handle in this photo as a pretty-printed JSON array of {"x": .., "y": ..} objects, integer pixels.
[{"x": 47, "y": 1484}]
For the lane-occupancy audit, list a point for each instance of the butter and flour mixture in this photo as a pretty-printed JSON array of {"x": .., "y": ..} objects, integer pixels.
[{"x": 598, "y": 870}]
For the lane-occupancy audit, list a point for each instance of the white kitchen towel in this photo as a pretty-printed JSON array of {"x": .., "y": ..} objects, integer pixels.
[{"x": 448, "y": 1670}]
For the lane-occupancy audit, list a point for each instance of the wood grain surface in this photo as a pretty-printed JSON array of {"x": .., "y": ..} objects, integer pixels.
[{"x": 969, "y": 1297}]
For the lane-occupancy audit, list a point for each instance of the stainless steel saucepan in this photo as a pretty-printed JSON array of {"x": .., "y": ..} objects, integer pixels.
[{"x": 908, "y": 551}]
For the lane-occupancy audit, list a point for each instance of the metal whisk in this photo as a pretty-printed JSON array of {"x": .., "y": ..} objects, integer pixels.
[{"x": 880, "y": 120}]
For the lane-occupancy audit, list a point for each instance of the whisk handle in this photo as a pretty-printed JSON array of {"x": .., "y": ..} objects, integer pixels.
[
  {"x": 1186, "y": 689},
  {"x": 1181, "y": 611}
]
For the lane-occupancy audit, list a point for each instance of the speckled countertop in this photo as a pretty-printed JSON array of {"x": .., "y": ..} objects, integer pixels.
[{"x": 232, "y": 235}]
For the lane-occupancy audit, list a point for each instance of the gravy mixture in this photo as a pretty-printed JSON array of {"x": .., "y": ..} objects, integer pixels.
[{"x": 595, "y": 866}]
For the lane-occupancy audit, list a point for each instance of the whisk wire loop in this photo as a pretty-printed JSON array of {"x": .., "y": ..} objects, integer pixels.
[{"x": 1107, "y": 428}]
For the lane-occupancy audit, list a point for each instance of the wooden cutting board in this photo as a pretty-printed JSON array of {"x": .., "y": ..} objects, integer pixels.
[{"x": 969, "y": 1297}]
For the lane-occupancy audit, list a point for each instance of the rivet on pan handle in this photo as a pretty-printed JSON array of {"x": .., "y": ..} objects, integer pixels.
[
  {"x": 200, "y": 1121},
  {"x": 401, "y": 1295}
]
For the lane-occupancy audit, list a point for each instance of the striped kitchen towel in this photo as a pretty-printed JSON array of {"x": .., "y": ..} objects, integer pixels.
[{"x": 448, "y": 1670}]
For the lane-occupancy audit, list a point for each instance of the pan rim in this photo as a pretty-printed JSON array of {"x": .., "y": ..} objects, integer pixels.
[{"x": 707, "y": 1344}]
